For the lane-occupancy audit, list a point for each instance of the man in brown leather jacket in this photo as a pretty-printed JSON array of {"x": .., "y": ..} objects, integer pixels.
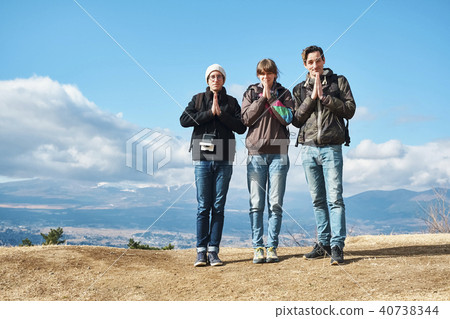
[{"x": 322, "y": 102}]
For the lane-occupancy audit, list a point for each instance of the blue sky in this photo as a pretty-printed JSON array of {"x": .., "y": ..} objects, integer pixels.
[{"x": 394, "y": 56}]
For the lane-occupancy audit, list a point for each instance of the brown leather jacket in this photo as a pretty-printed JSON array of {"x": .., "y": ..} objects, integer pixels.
[{"x": 321, "y": 123}]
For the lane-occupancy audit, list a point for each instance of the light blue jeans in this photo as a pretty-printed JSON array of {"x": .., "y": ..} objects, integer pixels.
[
  {"x": 266, "y": 178},
  {"x": 323, "y": 170}
]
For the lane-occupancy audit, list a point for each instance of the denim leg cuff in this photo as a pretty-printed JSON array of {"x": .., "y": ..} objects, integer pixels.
[
  {"x": 341, "y": 246},
  {"x": 201, "y": 249},
  {"x": 213, "y": 248}
]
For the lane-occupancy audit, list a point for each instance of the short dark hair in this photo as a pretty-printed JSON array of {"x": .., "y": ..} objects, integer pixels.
[
  {"x": 268, "y": 66},
  {"x": 310, "y": 49}
]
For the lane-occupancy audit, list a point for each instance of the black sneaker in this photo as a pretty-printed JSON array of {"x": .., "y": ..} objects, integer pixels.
[
  {"x": 319, "y": 251},
  {"x": 201, "y": 259},
  {"x": 337, "y": 255},
  {"x": 214, "y": 259}
]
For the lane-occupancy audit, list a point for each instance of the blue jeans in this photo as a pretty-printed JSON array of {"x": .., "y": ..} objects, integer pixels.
[
  {"x": 266, "y": 178},
  {"x": 212, "y": 179},
  {"x": 323, "y": 171}
]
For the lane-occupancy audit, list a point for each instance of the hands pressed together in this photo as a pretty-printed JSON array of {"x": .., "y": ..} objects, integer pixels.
[
  {"x": 215, "y": 106},
  {"x": 266, "y": 89},
  {"x": 317, "y": 90}
]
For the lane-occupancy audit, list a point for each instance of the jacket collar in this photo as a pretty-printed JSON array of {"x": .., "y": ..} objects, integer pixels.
[
  {"x": 326, "y": 74},
  {"x": 222, "y": 94},
  {"x": 275, "y": 86}
]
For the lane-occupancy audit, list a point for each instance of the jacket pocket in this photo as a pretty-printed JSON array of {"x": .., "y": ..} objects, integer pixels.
[{"x": 333, "y": 129}]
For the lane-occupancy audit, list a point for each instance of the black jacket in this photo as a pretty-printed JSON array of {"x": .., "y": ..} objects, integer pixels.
[{"x": 222, "y": 126}]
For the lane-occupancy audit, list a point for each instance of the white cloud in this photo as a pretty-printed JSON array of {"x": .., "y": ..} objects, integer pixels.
[
  {"x": 50, "y": 130},
  {"x": 392, "y": 165},
  {"x": 368, "y": 149}
]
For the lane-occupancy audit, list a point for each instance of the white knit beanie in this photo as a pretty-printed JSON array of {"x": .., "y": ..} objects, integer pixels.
[{"x": 215, "y": 67}]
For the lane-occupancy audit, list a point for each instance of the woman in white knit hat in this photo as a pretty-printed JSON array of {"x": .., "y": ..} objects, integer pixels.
[{"x": 214, "y": 115}]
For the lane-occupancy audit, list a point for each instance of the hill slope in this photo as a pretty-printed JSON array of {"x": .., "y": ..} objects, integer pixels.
[{"x": 402, "y": 267}]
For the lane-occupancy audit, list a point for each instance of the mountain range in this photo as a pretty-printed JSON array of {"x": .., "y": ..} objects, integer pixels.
[{"x": 110, "y": 214}]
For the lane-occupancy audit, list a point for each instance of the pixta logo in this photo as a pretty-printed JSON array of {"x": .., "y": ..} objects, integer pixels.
[{"x": 148, "y": 151}]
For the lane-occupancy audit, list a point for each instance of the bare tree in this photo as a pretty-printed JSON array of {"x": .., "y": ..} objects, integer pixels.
[{"x": 437, "y": 213}]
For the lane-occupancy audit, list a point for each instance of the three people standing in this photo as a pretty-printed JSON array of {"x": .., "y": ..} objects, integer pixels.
[{"x": 320, "y": 105}]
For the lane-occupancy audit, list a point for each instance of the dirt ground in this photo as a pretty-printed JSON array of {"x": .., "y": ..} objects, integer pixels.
[{"x": 401, "y": 267}]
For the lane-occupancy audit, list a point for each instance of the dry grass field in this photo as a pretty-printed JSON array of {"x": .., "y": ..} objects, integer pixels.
[{"x": 398, "y": 267}]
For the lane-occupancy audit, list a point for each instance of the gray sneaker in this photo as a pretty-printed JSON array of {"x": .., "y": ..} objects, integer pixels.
[
  {"x": 214, "y": 259},
  {"x": 272, "y": 255},
  {"x": 201, "y": 259},
  {"x": 258, "y": 256}
]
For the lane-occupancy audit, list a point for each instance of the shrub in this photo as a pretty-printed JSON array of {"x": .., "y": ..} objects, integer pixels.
[
  {"x": 26, "y": 242},
  {"x": 168, "y": 247},
  {"x": 132, "y": 244},
  {"x": 52, "y": 238}
]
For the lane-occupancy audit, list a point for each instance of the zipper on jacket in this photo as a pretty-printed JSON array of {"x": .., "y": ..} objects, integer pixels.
[{"x": 319, "y": 122}]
